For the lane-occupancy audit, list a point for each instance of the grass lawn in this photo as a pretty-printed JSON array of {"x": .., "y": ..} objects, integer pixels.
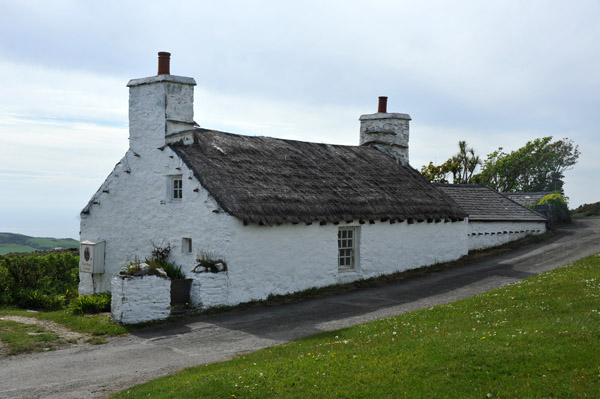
[
  {"x": 535, "y": 339},
  {"x": 15, "y": 248}
]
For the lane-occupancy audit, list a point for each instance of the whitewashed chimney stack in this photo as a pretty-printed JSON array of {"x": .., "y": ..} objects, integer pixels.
[
  {"x": 161, "y": 107},
  {"x": 388, "y": 132}
]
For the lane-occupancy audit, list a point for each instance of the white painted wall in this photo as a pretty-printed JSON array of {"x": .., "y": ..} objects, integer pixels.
[
  {"x": 489, "y": 234},
  {"x": 289, "y": 258},
  {"x": 133, "y": 211},
  {"x": 209, "y": 290},
  {"x": 140, "y": 299}
]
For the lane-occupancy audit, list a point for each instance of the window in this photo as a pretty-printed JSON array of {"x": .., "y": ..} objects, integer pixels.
[
  {"x": 175, "y": 188},
  {"x": 347, "y": 245},
  {"x": 186, "y": 245}
]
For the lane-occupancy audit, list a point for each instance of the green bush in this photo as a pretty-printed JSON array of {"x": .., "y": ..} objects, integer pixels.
[
  {"x": 587, "y": 210},
  {"x": 559, "y": 208},
  {"x": 40, "y": 281},
  {"x": 89, "y": 304},
  {"x": 36, "y": 299},
  {"x": 173, "y": 271}
]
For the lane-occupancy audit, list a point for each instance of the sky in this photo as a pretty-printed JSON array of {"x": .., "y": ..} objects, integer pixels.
[{"x": 496, "y": 74}]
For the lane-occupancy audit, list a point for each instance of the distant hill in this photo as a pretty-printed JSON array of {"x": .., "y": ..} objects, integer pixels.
[
  {"x": 12, "y": 243},
  {"x": 587, "y": 210}
]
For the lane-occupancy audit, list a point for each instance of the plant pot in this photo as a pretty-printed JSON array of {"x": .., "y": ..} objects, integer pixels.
[{"x": 180, "y": 291}]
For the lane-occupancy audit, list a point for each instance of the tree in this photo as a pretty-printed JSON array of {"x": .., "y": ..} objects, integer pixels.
[
  {"x": 461, "y": 166},
  {"x": 537, "y": 166},
  {"x": 435, "y": 173}
]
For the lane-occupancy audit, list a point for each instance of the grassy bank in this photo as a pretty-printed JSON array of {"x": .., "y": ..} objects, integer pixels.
[{"x": 537, "y": 338}]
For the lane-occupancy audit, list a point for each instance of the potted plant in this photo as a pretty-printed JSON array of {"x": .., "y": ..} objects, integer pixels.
[{"x": 180, "y": 285}]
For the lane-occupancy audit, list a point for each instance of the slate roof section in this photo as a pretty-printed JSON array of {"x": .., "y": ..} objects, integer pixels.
[
  {"x": 484, "y": 204},
  {"x": 527, "y": 198},
  {"x": 269, "y": 181}
]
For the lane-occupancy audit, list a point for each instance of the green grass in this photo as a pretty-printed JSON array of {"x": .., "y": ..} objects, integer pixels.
[
  {"x": 15, "y": 248},
  {"x": 539, "y": 338},
  {"x": 18, "y": 338},
  {"x": 44, "y": 242},
  {"x": 98, "y": 325},
  {"x": 19, "y": 243}
]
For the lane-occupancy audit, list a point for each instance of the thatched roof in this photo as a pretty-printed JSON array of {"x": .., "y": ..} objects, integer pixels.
[
  {"x": 484, "y": 204},
  {"x": 270, "y": 181}
]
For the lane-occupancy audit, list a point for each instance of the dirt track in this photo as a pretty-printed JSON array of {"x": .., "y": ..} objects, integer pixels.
[{"x": 95, "y": 371}]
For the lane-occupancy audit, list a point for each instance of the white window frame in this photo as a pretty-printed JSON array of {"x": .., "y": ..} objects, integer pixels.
[
  {"x": 175, "y": 188},
  {"x": 348, "y": 244}
]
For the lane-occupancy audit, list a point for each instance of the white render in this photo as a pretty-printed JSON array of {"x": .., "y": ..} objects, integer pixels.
[
  {"x": 140, "y": 299},
  {"x": 490, "y": 234},
  {"x": 209, "y": 290}
]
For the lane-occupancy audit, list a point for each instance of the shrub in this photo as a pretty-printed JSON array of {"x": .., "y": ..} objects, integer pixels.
[
  {"x": 211, "y": 262},
  {"x": 160, "y": 259},
  {"x": 559, "y": 209},
  {"x": 173, "y": 271},
  {"x": 587, "y": 210},
  {"x": 89, "y": 304},
  {"x": 41, "y": 281}
]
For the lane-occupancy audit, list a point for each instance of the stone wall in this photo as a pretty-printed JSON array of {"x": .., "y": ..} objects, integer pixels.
[
  {"x": 209, "y": 290},
  {"x": 140, "y": 299}
]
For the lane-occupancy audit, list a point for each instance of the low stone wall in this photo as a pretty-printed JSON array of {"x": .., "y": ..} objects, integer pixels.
[
  {"x": 137, "y": 299},
  {"x": 209, "y": 290}
]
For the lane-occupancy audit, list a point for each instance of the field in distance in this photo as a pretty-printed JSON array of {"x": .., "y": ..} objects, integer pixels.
[{"x": 19, "y": 243}]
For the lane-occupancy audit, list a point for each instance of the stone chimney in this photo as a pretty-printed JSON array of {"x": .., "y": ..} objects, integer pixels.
[
  {"x": 161, "y": 108},
  {"x": 388, "y": 132}
]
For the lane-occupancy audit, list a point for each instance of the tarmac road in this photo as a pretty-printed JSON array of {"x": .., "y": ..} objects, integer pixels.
[{"x": 96, "y": 371}]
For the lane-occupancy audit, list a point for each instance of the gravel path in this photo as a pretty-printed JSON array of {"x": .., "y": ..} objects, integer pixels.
[
  {"x": 95, "y": 371},
  {"x": 68, "y": 336}
]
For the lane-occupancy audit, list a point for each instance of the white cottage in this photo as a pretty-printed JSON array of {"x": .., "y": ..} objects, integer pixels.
[
  {"x": 285, "y": 215},
  {"x": 494, "y": 219}
]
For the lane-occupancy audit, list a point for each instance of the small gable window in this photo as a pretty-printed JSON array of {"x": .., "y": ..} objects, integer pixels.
[
  {"x": 347, "y": 245},
  {"x": 186, "y": 245},
  {"x": 175, "y": 188}
]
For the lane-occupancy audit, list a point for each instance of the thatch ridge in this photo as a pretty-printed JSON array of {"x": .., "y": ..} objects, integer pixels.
[{"x": 269, "y": 181}]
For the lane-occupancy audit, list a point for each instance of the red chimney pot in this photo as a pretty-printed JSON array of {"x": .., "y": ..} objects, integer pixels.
[
  {"x": 382, "y": 108},
  {"x": 164, "y": 63}
]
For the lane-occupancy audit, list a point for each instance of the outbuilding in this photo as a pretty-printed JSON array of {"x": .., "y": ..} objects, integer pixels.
[{"x": 494, "y": 219}]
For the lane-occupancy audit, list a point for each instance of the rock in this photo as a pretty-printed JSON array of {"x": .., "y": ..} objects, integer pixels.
[
  {"x": 220, "y": 266},
  {"x": 144, "y": 269},
  {"x": 199, "y": 269},
  {"x": 160, "y": 272},
  {"x": 123, "y": 271}
]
